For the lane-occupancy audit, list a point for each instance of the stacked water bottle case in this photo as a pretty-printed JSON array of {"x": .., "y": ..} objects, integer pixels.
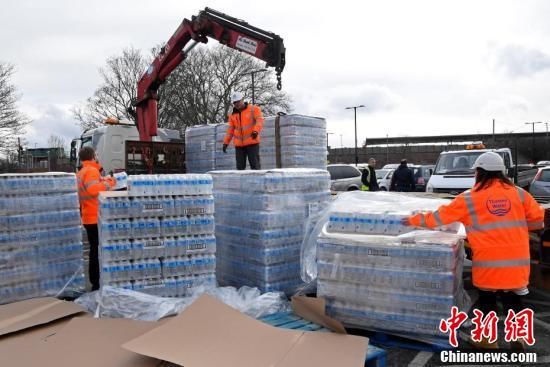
[
  {"x": 40, "y": 236},
  {"x": 224, "y": 161},
  {"x": 200, "y": 144},
  {"x": 203, "y": 148},
  {"x": 378, "y": 274},
  {"x": 300, "y": 140},
  {"x": 260, "y": 224},
  {"x": 158, "y": 237}
]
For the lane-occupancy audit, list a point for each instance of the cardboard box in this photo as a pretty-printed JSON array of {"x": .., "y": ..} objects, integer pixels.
[
  {"x": 313, "y": 309},
  {"x": 33, "y": 312},
  {"x": 89, "y": 342},
  {"x": 42, "y": 332},
  {"x": 25, "y": 328},
  {"x": 210, "y": 334}
]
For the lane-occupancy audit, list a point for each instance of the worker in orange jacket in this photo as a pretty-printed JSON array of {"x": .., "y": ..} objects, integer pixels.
[
  {"x": 90, "y": 184},
  {"x": 497, "y": 216},
  {"x": 245, "y": 125}
]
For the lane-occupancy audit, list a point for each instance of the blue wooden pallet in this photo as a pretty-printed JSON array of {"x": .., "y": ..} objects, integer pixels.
[
  {"x": 393, "y": 341},
  {"x": 376, "y": 357}
]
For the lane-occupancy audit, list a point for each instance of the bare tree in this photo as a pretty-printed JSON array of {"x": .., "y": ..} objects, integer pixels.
[
  {"x": 12, "y": 121},
  {"x": 117, "y": 90},
  {"x": 56, "y": 141},
  {"x": 197, "y": 91}
]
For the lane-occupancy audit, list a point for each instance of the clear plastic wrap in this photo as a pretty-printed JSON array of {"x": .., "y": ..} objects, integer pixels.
[
  {"x": 302, "y": 142},
  {"x": 172, "y": 184},
  {"x": 261, "y": 245},
  {"x": 377, "y": 274},
  {"x": 123, "y": 303},
  {"x": 40, "y": 236},
  {"x": 353, "y": 209},
  {"x": 158, "y": 237},
  {"x": 121, "y": 180},
  {"x": 203, "y": 149}
]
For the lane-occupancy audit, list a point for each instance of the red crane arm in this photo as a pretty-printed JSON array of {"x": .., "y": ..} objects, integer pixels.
[{"x": 229, "y": 31}]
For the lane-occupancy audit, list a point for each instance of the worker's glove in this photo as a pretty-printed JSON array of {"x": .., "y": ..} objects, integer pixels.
[
  {"x": 254, "y": 134},
  {"x": 224, "y": 148}
]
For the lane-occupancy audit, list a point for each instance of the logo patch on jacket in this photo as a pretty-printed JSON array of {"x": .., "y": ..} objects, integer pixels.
[{"x": 499, "y": 206}]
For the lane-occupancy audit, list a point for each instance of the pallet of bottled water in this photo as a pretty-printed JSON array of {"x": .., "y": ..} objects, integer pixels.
[
  {"x": 158, "y": 237},
  {"x": 260, "y": 224},
  {"x": 204, "y": 149},
  {"x": 377, "y": 273},
  {"x": 40, "y": 236},
  {"x": 224, "y": 161},
  {"x": 200, "y": 148},
  {"x": 300, "y": 141}
]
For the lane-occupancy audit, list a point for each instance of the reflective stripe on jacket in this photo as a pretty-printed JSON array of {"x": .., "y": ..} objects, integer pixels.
[
  {"x": 242, "y": 124},
  {"x": 90, "y": 184},
  {"x": 497, "y": 221}
]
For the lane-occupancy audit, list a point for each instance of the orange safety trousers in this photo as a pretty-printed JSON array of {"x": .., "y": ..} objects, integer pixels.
[{"x": 497, "y": 221}]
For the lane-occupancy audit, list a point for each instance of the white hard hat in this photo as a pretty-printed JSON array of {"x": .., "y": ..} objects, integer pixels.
[
  {"x": 490, "y": 161},
  {"x": 237, "y": 96}
]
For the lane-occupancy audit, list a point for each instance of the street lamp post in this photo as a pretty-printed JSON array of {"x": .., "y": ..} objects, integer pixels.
[
  {"x": 328, "y": 133},
  {"x": 355, "y": 119},
  {"x": 533, "y": 138},
  {"x": 252, "y": 74}
]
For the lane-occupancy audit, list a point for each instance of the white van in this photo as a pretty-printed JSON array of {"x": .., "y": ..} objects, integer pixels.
[
  {"x": 454, "y": 174},
  {"x": 109, "y": 140}
]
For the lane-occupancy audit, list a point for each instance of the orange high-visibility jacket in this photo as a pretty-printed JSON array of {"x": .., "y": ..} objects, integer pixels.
[
  {"x": 90, "y": 184},
  {"x": 497, "y": 221},
  {"x": 242, "y": 124}
]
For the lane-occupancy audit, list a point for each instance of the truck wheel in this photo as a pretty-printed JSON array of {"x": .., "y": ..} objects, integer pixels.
[{"x": 353, "y": 188}]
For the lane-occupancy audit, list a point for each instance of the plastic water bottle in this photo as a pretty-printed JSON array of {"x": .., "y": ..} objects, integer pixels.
[
  {"x": 153, "y": 268},
  {"x": 121, "y": 180},
  {"x": 170, "y": 246},
  {"x": 107, "y": 251},
  {"x": 139, "y": 268}
]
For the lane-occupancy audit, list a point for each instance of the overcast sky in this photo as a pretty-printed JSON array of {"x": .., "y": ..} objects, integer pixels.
[{"x": 419, "y": 67}]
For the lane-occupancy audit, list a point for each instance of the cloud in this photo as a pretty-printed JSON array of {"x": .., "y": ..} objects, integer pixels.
[
  {"x": 49, "y": 120},
  {"x": 518, "y": 61},
  {"x": 331, "y": 101},
  {"x": 509, "y": 107}
]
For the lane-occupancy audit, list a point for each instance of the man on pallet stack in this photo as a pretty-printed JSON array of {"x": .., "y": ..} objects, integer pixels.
[
  {"x": 90, "y": 184},
  {"x": 245, "y": 125}
]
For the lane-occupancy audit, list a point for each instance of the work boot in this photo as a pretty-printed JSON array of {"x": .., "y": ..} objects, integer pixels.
[
  {"x": 484, "y": 344},
  {"x": 518, "y": 346}
]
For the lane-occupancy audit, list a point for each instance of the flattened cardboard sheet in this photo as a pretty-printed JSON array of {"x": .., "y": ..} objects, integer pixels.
[
  {"x": 211, "y": 334},
  {"x": 32, "y": 312}
]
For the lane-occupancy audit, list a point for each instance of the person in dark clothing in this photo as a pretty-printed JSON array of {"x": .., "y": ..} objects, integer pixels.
[
  {"x": 368, "y": 177},
  {"x": 403, "y": 178}
]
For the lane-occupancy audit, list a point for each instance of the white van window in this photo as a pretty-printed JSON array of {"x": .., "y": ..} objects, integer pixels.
[{"x": 457, "y": 163}]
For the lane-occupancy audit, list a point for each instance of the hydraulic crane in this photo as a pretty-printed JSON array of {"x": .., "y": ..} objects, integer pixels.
[{"x": 229, "y": 31}]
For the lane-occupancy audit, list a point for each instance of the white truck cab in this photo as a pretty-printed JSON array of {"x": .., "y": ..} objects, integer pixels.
[
  {"x": 454, "y": 174},
  {"x": 108, "y": 142}
]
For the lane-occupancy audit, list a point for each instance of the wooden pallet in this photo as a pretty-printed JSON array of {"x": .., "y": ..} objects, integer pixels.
[{"x": 376, "y": 357}]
